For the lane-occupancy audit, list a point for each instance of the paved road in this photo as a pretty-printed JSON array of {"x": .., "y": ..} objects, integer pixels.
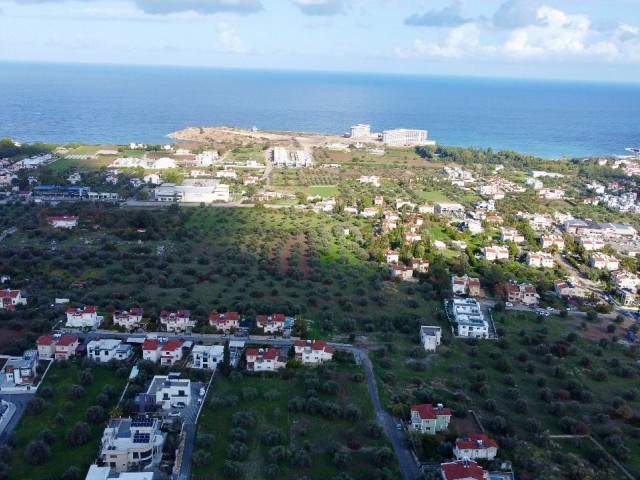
[
  {"x": 20, "y": 401},
  {"x": 189, "y": 443}
]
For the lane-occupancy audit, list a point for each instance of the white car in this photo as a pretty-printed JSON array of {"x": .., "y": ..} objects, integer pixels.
[
  {"x": 174, "y": 414},
  {"x": 508, "y": 304},
  {"x": 550, "y": 309}
]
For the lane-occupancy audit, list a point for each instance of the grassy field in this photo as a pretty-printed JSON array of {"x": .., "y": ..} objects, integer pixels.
[
  {"x": 323, "y": 190},
  {"x": 434, "y": 197},
  {"x": 59, "y": 380},
  {"x": 67, "y": 164},
  {"x": 267, "y": 399},
  {"x": 538, "y": 378}
]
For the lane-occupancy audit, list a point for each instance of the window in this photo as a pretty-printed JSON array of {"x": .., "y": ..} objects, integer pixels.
[
  {"x": 136, "y": 455},
  {"x": 112, "y": 464}
]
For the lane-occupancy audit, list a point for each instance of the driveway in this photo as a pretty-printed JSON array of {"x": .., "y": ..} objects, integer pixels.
[{"x": 20, "y": 401}]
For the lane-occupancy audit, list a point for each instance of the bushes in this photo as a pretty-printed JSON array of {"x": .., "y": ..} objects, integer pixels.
[
  {"x": 37, "y": 452},
  {"x": 78, "y": 435}
]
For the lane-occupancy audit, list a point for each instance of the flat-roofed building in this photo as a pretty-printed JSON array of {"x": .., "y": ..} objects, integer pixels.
[
  {"x": 129, "y": 442},
  {"x": 168, "y": 391},
  {"x": 430, "y": 337},
  {"x": 405, "y": 136},
  {"x": 193, "y": 191}
]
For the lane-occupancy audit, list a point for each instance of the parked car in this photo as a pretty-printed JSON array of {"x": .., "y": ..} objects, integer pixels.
[
  {"x": 508, "y": 304},
  {"x": 174, "y": 414},
  {"x": 179, "y": 405},
  {"x": 550, "y": 309}
]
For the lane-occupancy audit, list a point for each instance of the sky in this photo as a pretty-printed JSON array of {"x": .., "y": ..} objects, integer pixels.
[{"x": 596, "y": 40}]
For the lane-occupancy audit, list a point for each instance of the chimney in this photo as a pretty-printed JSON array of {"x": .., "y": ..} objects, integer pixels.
[{"x": 440, "y": 407}]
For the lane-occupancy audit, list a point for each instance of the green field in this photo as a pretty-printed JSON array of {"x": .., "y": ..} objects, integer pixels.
[
  {"x": 323, "y": 190},
  {"x": 59, "y": 415},
  {"x": 267, "y": 398},
  {"x": 433, "y": 197}
]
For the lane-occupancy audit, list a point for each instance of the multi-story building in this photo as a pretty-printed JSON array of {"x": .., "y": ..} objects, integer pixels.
[
  {"x": 271, "y": 323},
  {"x": 495, "y": 252},
  {"x": 171, "y": 352},
  {"x": 313, "y": 352},
  {"x": 522, "y": 293},
  {"x": 151, "y": 350},
  {"x": 10, "y": 299},
  {"x": 206, "y": 357},
  {"x": 401, "y": 272},
  {"x": 568, "y": 288},
  {"x": 511, "y": 235},
  {"x": 426, "y": 208},
  {"x": 539, "y": 259},
  {"x": 56, "y": 346},
  {"x": 591, "y": 244},
  {"x": 360, "y": 131},
  {"x": 104, "y": 350},
  {"x": 63, "y": 221},
  {"x": 474, "y": 447},
  {"x": 468, "y": 316},
  {"x": 86, "y": 317},
  {"x": 550, "y": 241},
  {"x": 430, "y": 337},
  {"x": 21, "y": 371},
  {"x": 463, "y": 470},
  {"x": 166, "y": 391},
  {"x": 265, "y": 360},
  {"x": 392, "y": 256},
  {"x": 129, "y": 319},
  {"x": 224, "y": 322},
  {"x": 604, "y": 262},
  {"x": 625, "y": 280},
  {"x": 403, "y": 136},
  {"x": 448, "y": 208},
  {"x": 428, "y": 419},
  {"x": 178, "y": 321},
  {"x": 419, "y": 265},
  {"x": 129, "y": 443},
  {"x": 465, "y": 285}
]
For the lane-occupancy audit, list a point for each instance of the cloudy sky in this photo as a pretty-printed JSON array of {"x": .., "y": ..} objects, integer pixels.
[{"x": 583, "y": 39}]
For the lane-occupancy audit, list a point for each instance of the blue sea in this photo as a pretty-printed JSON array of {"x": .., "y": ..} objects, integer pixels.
[{"x": 120, "y": 104}]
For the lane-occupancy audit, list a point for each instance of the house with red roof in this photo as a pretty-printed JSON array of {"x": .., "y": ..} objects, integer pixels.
[
  {"x": 129, "y": 319},
  {"x": 83, "y": 317},
  {"x": 428, "y": 419},
  {"x": 151, "y": 350},
  {"x": 224, "y": 322},
  {"x": 45, "y": 346},
  {"x": 474, "y": 447},
  {"x": 420, "y": 265},
  {"x": 63, "y": 221},
  {"x": 522, "y": 293},
  {"x": 65, "y": 347},
  {"x": 176, "y": 321},
  {"x": 401, "y": 272},
  {"x": 313, "y": 352},
  {"x": 392, "y": 256},
  {"x": 10, "y": 299},
  {"x": 463, "y": 470},
  {"x": 265, "y": 359},
  {"x": 171, "y": 352},
  {"x": 271, "y": 323}
]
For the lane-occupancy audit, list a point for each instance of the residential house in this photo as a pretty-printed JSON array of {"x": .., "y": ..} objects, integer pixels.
[
  {"x": 625, "y": 280},
  {"x": 463, "y": 470},
  {"x": 178, "y": 321},
  {"x": 392, "y": 256},
  {"x": 65, "y": 347},
  {"x": 369, "y": 212},
  {"x": 401, "y": 272},
  {"x": 45, "y": 346},
  {"x": 131, "y": 443},
  {"x": 551, "y": 194},
  {"x": 63, "y": 221},
  {"x": 378, "y": 201},
  {"x": 550, "y": 241},
  {"x": 495, "y": 252},
  {"x": 511, "y": 235},
  {"x": 206, "y": 357},
  {"x": 430, "y": 337},
  {"x": 372, "y": 179},
  {"x": 166, "y": 391},
  {"x": 265, "y": 360},
  {"x": 628, "y": 296},
  {"x": 465, "y": 285},
  {"x": 419, "y": 265},
  {"x": 539, "y": 259},
  {"x": 86, "y": 317},
  {"x": 468, "y": 316},
  {"x": 410, "y": 237},
  {"x": 10, "y": 299},
  {"x": 604, "y": 262},
  {"x": 129, "y": 319},
  {"x": 474, "y": 447},
  {"x": 151, "y": 350},
  {"x": 494, "y": 219},
  {"x": 21, "y": 371},
  {"x": 472, "y": 226},
  {"x": 225, "y": 322},
  {"x": 448, "y": 208},
  {"x": 401, "y": 202},
  {"x": 568, "y": 288},
  {"x": 426, "y": 208},
  {"x": 522, "y": 293},
  {"x": 428, "y": 419},
  {"x": 313, "y": 352},
  {"x": 273, "y": 323},
  {"x": 591, "y": 244},
  {"x": 171, "y": 352},
  {"x": 104, "y": 350}
]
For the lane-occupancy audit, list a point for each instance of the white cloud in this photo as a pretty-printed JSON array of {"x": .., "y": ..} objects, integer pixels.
[{"x": 229, "y": 41}]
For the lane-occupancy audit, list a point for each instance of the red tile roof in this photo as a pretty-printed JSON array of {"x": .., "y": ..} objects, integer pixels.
[
  {"x": 150, "y": 344},
  {"x": 78, "y": 311},
  {"x": 171, "y": 346},
  {"x": 473, "y": 442},
  {"x": 223, "y": 317},
  {"x": 10, "y": 293},
  {"x": 44, "y": 340},
  {"x": 66, "y": 340},
  {"x": 462, "y": 470},
  {"x": 429, "y": 412},
  {"x": 267, "y": 353},
  {"x": 274, "y": 318}
]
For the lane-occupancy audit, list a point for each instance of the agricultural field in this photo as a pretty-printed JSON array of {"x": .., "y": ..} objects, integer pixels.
[
  {"x": 312, "y": 422},
  {"x": 542, "y": 377},
  {"x": 62, "y": 426}
]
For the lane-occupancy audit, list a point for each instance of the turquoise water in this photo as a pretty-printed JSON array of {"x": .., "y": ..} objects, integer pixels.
[{"x": 121, "y": 104}]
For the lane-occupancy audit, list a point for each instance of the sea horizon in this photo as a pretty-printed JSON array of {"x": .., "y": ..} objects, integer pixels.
[{"x": 107, "y": 104}]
